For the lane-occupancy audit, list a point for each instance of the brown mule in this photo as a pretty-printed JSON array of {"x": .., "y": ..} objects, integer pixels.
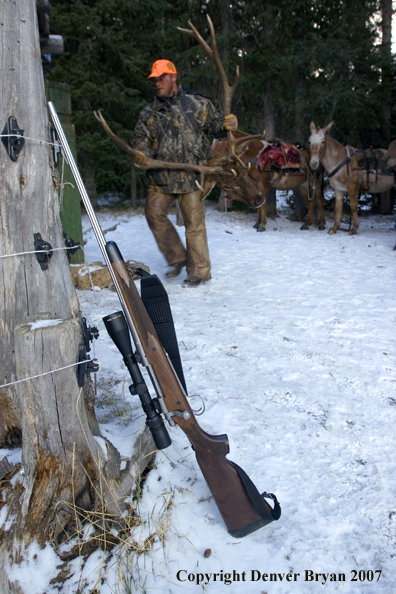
[{"x": 336, "y": 159}]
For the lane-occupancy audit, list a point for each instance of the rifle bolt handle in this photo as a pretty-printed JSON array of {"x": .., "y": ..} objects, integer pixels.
[{"x": 176, "y": 413}]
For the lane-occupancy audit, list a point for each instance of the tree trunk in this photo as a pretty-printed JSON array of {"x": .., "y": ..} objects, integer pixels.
[
  {"x": 226, "y": 25},
  {"x": 269, "y": 127},
  {"x": 300, "y": 132},
  {"x": 386, "y": 47},
  {"x": 89, "y": 181},
  {"x": 384, "y": 200},
  {"x": 222, "y": 203},
  {"x": 50, "y": 416},
  {"x": 133, "y": 188},
  {"x": 300, "y": 208},
  {"x": 269, "y": 111}
]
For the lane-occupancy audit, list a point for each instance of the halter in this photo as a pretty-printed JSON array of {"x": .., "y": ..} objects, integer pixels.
[{"x": 322, "y": 146}]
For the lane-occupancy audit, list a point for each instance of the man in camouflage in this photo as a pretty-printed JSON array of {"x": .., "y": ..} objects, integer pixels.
[{"x": 175, "y": 127}]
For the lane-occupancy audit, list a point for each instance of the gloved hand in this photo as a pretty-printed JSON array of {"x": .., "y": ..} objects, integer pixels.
[
  {"x": 140, "y": 159},
  {"x": 230, "y": 122}
]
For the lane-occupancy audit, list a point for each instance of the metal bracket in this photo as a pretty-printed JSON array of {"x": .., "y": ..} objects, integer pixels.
[
  {"x": 86, "y": 365},
  {"x": 12, "y": 138},
  {"x": 43, "y": 251},
  {"x": 73, "y": 246},
  {"x": 56, "y": 146},
  {"x": 89, "y": 334}
]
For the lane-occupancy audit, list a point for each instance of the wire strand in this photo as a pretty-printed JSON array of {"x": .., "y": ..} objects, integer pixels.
[
  {"x": 45, "y": 373},
  {"x": 37, "y": 251},
  {"x": 28, "y": 138}
]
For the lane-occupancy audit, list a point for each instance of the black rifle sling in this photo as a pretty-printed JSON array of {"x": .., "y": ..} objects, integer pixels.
[
  {"x": 267, "y": 513},
  {"x": 156, "y": 302}
]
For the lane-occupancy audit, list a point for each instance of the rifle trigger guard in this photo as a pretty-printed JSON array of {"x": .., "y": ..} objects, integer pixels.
[
  {"x": 198, "y": 412},
  {"x": 176, "y": 413}
]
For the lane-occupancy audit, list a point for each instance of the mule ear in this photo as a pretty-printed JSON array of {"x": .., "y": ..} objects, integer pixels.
[
  {"x": 328, "y": 127},
  {"x": 313, "y": 127}
]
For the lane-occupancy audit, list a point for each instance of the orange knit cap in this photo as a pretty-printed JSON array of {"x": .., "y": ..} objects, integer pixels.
[{"x": 161, "y": 67}]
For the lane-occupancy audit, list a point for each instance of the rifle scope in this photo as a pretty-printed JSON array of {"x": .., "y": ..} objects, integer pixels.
[{"x": 118, "y": 331}]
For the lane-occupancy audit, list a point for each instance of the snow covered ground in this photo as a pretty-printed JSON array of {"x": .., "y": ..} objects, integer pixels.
[{"x": 292, "y": 346}]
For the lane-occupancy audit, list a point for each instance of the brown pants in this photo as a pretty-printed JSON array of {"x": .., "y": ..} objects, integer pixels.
[{"x": 167, "y": 238}]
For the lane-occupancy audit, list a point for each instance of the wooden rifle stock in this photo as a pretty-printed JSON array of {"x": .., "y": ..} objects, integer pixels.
[{"x": 242, "y": 508}]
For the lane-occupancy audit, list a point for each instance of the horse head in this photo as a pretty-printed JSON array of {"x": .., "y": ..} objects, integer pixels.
[{"x": 317, "y": 143}]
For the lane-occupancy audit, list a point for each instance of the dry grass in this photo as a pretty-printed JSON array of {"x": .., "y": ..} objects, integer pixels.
[
  {"x": 124, "y": 538},
  {"x": 123, "y": 542}
]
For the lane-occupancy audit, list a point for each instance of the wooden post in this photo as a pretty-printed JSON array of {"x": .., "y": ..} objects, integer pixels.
[
  {"x": 70, "y": 207},
  {"x": 48, "y": 415}
]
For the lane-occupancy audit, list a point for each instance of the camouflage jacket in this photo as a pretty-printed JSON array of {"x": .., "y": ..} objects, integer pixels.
[{"x": 177, "y": 129}]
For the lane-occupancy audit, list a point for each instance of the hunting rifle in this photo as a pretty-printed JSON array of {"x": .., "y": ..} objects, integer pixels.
[{"x": 241, "y": 506}]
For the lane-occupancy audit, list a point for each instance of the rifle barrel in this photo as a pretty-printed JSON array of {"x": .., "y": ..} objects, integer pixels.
[{"x": 94, "y": 222}]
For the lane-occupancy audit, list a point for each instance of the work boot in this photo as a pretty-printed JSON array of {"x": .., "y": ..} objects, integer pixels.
[
  {"x": 192, "y": 281},
  {"x": 175, "y": 269}
]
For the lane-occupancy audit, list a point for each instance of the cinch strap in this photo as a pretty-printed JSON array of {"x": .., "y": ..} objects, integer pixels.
[{"x": 345, "y": 162}]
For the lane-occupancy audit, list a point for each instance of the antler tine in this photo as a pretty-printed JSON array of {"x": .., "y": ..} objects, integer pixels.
[
  {"x": 246, "y": 138},
  {"x": 198, "y": 37}
]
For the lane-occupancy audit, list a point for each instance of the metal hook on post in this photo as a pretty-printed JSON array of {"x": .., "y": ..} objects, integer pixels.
[
  {"x": 12, "y": 138},
  {"x": 43, "y": 251}
]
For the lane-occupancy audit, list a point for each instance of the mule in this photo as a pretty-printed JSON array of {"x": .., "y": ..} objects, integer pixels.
[{"x": 336, "y": 160}]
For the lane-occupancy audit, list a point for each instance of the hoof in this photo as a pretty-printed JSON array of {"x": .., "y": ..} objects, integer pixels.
[
  {"x": 255, "y": 226},
  {"x": 352, "y": 232},
  {"x": 332, "y": 231},
  {"x": 260, "y": 229},
  {"x": 304, "y": 227},
  {"x": 322, "y": 227}
]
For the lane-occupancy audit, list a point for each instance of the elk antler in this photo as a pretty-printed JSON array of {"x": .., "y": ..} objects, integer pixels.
[
  {"x": 154, "y": 163},
  {"x": 228, "y": 91},
  {"x": 214, "y": 55}
]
